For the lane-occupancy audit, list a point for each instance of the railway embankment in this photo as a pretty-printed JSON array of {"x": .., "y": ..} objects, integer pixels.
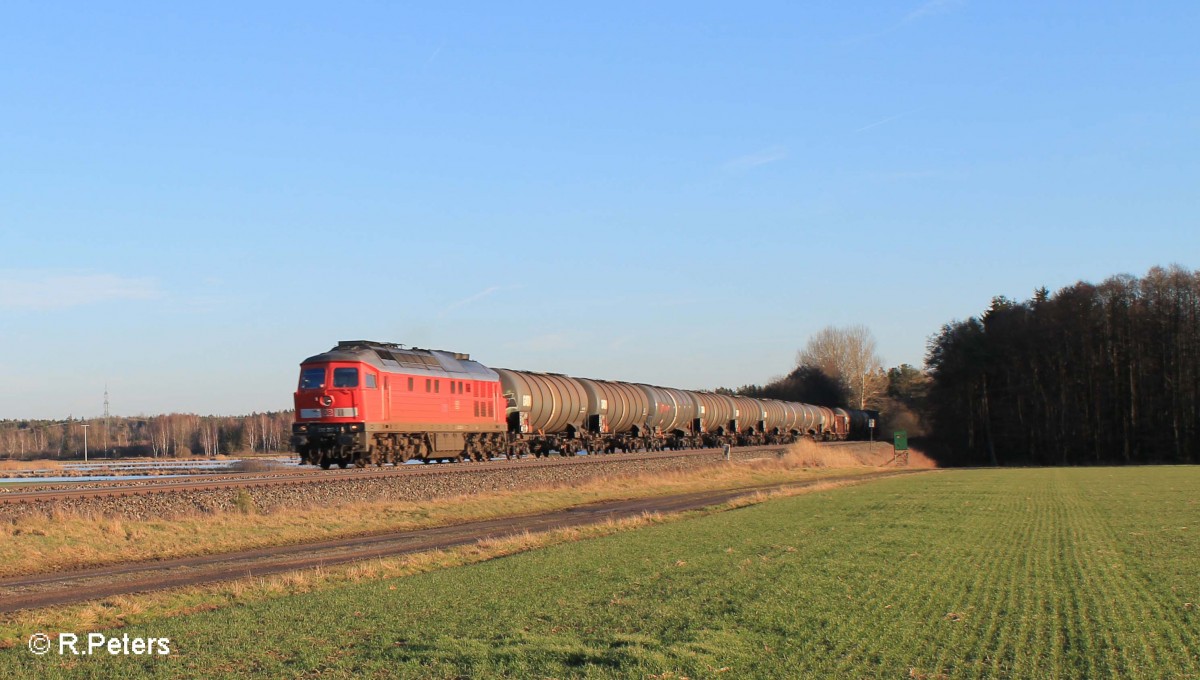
[{"x": 165, "y": 500}]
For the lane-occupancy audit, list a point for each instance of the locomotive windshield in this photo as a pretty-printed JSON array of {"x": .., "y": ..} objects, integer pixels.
[
  {"x": 345, "y": 377},
  {"x": 312, "y": 378}
]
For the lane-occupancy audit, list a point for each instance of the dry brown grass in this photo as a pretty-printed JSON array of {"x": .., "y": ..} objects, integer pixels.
[
  {"x": 63, "y": 541},
  {"x": 806, "y": 453},
  {"x": 23, "y": 465},
  {"x": 917, "y": 459}
]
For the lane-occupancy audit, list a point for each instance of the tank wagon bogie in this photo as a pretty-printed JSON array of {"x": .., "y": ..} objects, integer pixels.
[{"x": 367, "y": 402}]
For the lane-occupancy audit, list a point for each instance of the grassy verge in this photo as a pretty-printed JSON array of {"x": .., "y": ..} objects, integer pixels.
[
  {"x": 115, "y": 612},
  {"x": 55, "y": 542},
  {"x": 1021, "y": 574}
]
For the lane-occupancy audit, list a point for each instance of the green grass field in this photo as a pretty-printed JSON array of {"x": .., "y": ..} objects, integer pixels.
[{"x": 1073, "y": 573}]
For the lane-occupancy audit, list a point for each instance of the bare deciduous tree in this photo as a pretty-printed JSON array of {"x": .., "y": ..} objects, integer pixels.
[{"x": 848, "y": 355}]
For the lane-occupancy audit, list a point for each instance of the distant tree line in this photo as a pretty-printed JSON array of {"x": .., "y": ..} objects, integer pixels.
[
  {"x": 171, "y": 435},
  {"x": 804, "y": 384},
  {"x": 1093, "y": 374},
  {"x": 839, "y": 367}
]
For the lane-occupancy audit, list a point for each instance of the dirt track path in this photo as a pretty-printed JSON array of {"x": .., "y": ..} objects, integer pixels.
[{"x": 59, "y": 588}]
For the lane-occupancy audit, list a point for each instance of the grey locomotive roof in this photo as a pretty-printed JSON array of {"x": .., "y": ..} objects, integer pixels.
[{"x": 393, "y": 358}]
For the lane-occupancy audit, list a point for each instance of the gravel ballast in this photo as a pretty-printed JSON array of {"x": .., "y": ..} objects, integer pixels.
[{"x": 456, "y": 480}]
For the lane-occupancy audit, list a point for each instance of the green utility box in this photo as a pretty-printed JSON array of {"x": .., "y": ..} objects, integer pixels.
[{"x": 900, "y": 441}]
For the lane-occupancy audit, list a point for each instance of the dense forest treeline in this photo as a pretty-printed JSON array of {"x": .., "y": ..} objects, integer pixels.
[
  {"x": 1093, "y": 374},
  {"x": 171, "y": 435}
]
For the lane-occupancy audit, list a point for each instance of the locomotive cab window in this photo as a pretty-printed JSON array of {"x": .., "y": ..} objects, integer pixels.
[
  {"x": 312, "y": 379},
  {"x": 345, "y": 377},
  {"x": 370, "y": 381}
]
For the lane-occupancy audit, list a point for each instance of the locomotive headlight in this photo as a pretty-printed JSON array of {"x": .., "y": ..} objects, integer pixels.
[
  {"x": 326, "y": 400},
  {"x": 354, "y": 427},
  {"x": 302, "y": 428}
]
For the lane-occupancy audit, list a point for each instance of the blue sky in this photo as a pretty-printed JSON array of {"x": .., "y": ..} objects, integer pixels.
[{"x": 193, "y": 199}]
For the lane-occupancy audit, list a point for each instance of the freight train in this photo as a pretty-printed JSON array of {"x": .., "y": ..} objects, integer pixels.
[{"x": 365, "y": 403}]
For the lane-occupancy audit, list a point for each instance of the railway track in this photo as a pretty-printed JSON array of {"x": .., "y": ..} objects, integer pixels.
[
  {"x": 255, "y": 480},
  {"x": 61, "y": 588}
]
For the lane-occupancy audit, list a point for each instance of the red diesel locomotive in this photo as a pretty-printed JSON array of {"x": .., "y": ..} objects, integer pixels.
[
  {"x": 374, "y": 403},
  {"x": 366, "y": 402}
]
